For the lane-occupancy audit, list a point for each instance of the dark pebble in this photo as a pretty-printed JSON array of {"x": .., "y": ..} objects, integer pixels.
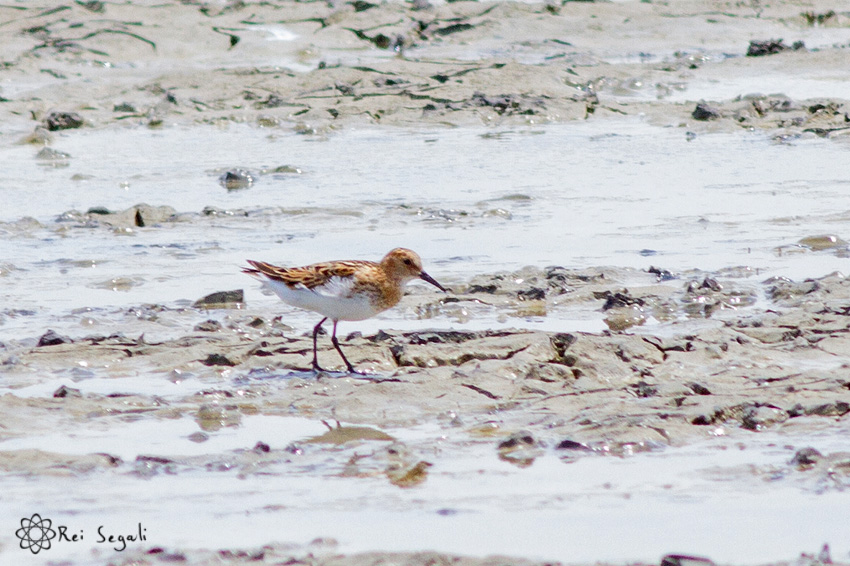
[
  {"x": 618, "y": 299},
  {"x": 702, "y": 420},
  {"x": 63, "y": 121},
  {"x": 261, "y": 447},
  {"x": 573, "y": 445},
  {"x": 771, "y": 47},
  {"x": 516, "y": 440},
  {"x": 684, "y": 560},
  {"x": 704, "y": 112},
  {"x": 661, "y": 274},
  {"x": 124, "y": 107},
  {"x": 50, "y": 338},
  {"x": 806, "y": 458},
  {"x": 711, "y": 284},
  {"x": 532, "y": 294},
  {"x": 65, "y": 391},
  {"x": 699, "y": 389},
  {"x": 217, "y": 360},
  {"x": 454, "y": 28}
]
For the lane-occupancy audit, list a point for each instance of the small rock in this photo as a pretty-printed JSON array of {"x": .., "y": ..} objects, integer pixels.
[
  {"x": 261, "y": 447},
  {"x": 836, "y": 409},
  {"x": 704, "y": 112},
  {"x": 643, "y": 389},
  {"x": 698, "y": 388},
  {"x": 684, "y": 560},
  {"x": 63, "y": 121},
  {"x": 222, "y": 300},
  {"x": 531, "y": 294},
  {"x": 124, "y": 107},
  {"x": 50, "y": 154},
  {"x": 762, "y": 417},
  {"x": 404, "y": 476},
  {"x": 199, "y": 437},
  {"x": 345, "y": 88},
  {"x": 711, "y": 284},
  {"x": 50, "y": 338},
  {"x": 218, "y": 360},
  {"x": 823, "y": 242},
  {"x": 661, "y": 274},
  {"x": 39, "y": 136},
  {"x": 573, "y": 445},
  {"x": 785, "y": 289},
  {"x": 806, "y": 458},
  {"x": 213, "y": 417},
  {"x": 520, "y": 449},
  {"x": 65, "y": 391},
  {"x": 236, "y": 179},
  {"x": 771, "y": 47},
  {"x": 208, "y": 326},
  {"x": 617, "y": 299},
  {"x": 284, "y": 169},
  {"x": 622, "y": 318}
]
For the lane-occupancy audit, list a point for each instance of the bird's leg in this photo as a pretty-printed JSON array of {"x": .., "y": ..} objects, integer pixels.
[
  {"x": 338, "y": 349},
  {"x": 316, "y": 366}
]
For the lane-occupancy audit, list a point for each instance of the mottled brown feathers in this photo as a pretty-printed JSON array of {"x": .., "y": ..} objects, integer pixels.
[{"x": 309, "y": 276}]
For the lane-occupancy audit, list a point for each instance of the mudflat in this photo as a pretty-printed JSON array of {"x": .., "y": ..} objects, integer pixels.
[{"x": 679, "y": 358}]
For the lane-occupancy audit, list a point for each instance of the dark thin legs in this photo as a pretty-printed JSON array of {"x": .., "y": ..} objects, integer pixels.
[
  {"x": 335, "y": 342},
  {"x": 316, "y": 366}
]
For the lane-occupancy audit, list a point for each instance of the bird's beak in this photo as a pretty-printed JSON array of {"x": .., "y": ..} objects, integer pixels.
[{"x": 425, "y": 277}]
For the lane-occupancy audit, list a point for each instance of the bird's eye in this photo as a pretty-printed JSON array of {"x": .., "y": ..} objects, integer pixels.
[{"x": 407, "y": 261}]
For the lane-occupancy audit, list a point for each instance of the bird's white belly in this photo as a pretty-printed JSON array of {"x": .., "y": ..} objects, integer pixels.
[{"x": 332, "y": 300}]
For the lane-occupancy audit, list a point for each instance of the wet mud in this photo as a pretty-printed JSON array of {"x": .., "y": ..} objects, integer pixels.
[
  {"x": 679, "y": 356},
  {"x": 722, "y": 361},
  {"x": 316, "y": 67}
]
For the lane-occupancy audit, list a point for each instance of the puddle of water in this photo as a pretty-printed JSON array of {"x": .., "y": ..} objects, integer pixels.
[
  {"x": 149, "y": 385},
  {"x": 127, "y": 440},
  {"x": 597, "y": 508}
]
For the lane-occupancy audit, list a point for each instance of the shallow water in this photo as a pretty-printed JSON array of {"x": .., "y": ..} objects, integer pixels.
[
  {"x": 617, "y": 192},
  {"x": 730, "y": 498}
]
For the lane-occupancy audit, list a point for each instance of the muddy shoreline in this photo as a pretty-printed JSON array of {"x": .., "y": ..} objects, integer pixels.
[
  {"x": 731, "y": 365},
  {"x": 686, "y": 356},
  {"x": 334, "y": 65}
]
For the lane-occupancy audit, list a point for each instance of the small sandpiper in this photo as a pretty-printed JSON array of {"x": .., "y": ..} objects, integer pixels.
[{"x": 343, "y": 290}]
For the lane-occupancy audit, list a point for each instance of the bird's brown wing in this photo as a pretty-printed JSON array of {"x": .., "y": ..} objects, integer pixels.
[{"x": 309, "y": 276}]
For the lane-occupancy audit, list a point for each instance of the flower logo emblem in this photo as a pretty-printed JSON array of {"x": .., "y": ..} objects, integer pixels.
[{"x": 35, "y": 533}]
